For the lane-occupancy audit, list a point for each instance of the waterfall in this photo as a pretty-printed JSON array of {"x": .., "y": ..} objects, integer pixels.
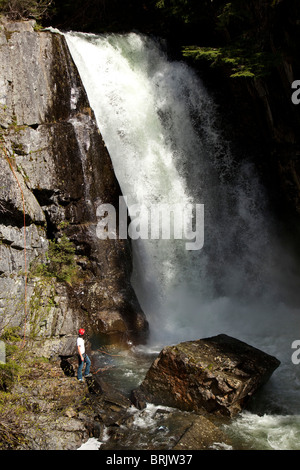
[{"x": 160, "y": 126}]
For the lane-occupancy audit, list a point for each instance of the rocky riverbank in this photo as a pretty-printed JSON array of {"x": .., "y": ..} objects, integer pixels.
[{"x": 46, "y": 408}]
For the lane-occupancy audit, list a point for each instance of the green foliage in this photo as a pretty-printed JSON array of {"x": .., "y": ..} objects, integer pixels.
[
  {"x": 233, "y": 12},
  {"x": 179, "y": 8},
  {"x": 240, "y": 36},
  {"x": 8, "y": 373},
  {"x": 11, "y": 334},
  {"x": 23, "y": 9},
  {"x": 243, "y": 60},
  {"x": 12, "y": 414},
  {"x": 188, "y": 11},
  {"x": 61, "y": 261},
  {"x": 10, "y": 370},
  {"x": 13, "y": 405}
]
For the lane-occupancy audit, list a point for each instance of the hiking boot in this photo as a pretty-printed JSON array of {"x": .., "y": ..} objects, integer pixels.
[{"x": 88, "y": 375}]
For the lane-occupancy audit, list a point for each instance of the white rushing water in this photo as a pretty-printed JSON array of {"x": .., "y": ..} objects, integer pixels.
[{"x": 161, "y": 128}]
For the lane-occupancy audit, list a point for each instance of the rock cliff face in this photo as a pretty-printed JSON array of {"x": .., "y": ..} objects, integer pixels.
[{"x": 56, "y": 170}]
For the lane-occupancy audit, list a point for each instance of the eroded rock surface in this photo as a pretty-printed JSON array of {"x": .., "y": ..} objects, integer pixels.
[
  {"x": 217, "y": 374},
  {"x": 55, "y": 166}
]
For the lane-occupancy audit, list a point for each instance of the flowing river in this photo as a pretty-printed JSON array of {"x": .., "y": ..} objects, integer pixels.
[{"x": 161, "y": 128}]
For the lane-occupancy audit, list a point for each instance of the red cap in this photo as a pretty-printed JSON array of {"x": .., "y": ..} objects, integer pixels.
[{"x": 81, "y": 331}]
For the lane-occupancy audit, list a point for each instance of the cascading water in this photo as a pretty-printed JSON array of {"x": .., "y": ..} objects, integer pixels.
[{"x": 161, "y": 128}]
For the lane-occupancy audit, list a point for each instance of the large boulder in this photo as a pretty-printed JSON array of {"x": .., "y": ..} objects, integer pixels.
[{"x": 217, "y": 374}]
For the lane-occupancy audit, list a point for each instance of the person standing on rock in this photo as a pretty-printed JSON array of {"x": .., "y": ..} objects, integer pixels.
[{"x": 83, "y": 358}]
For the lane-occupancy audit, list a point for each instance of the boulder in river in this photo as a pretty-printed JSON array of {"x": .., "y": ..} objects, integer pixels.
[{"x": 217, "y": 374}]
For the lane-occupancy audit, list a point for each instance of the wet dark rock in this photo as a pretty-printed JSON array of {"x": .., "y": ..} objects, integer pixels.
[
  {"x": 218, "y": 374},
  {"x": 110, "y": 405},
  {"x": 202, "y": 434},
  {"x": 109, "y": 394}
]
